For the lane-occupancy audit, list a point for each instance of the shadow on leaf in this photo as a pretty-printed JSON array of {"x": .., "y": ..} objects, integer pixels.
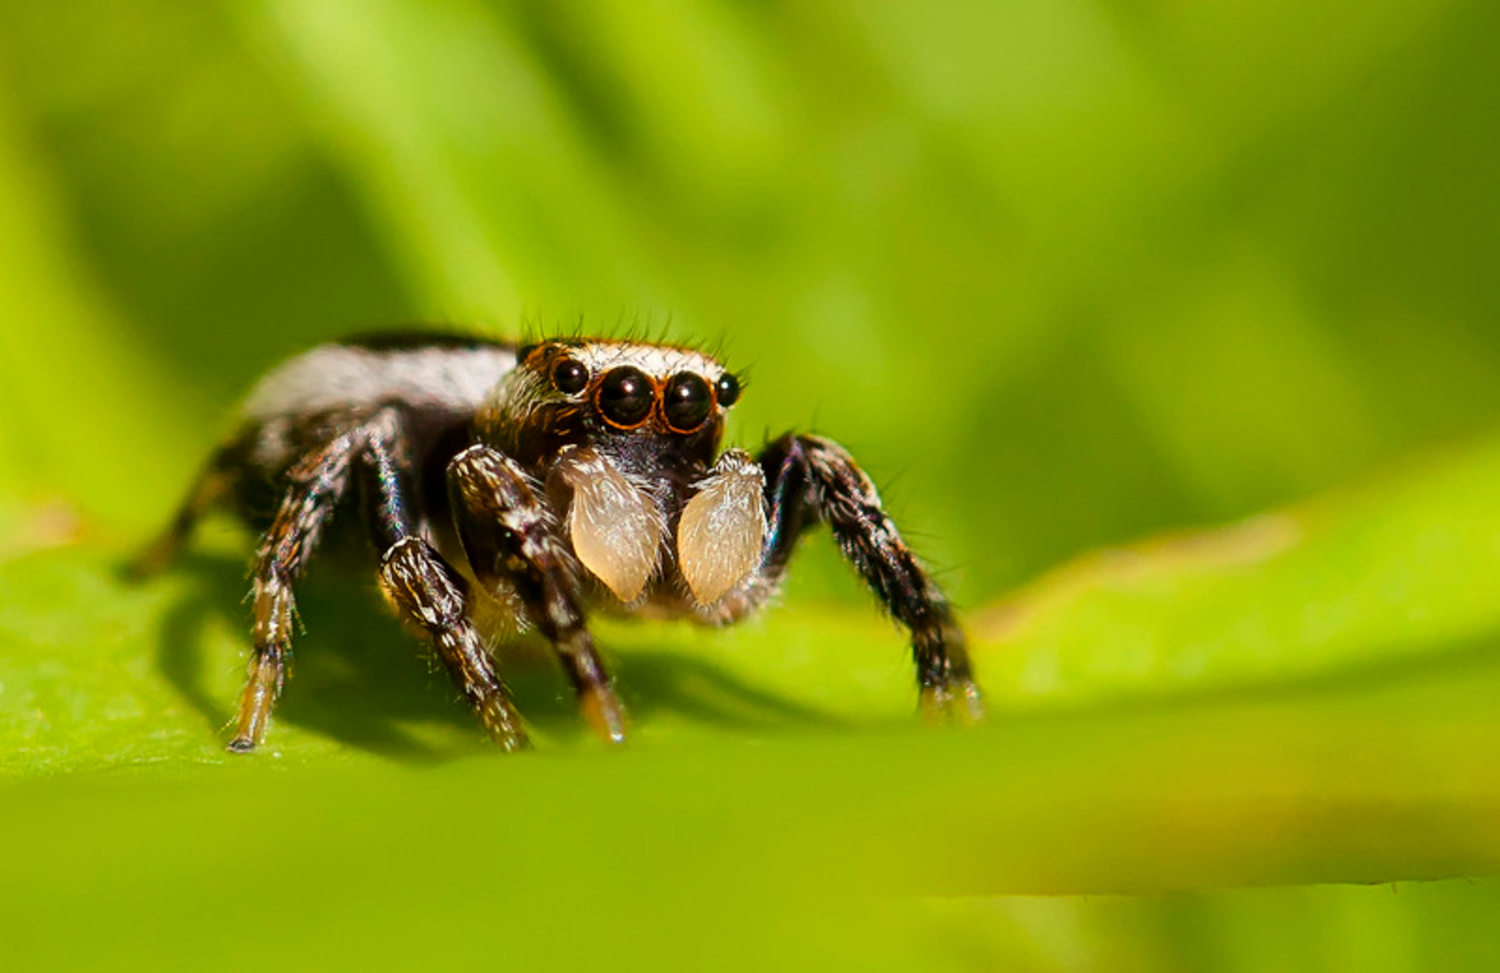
[{"x": 358, "y": 678}]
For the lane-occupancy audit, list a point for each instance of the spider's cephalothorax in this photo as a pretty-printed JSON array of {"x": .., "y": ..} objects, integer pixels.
[{"x": 544, "y": 481}]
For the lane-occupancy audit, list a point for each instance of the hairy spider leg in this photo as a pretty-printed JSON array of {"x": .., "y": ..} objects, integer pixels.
[
  {"x": 424, "y": 589},
  {"x": 811, "y": 479},
  {"x": 427, "y": 592},
  {"x": 510, "y": 539},
  {"x": 315, "y": 486}
]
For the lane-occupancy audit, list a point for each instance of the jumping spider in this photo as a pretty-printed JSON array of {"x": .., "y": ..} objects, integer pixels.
[{"x": 542, "y": 480}]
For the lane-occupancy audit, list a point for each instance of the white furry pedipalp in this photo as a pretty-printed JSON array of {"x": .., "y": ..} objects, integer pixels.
[
  {"x": 723, "y": 529},
  {"x": 615, "y": 527}
]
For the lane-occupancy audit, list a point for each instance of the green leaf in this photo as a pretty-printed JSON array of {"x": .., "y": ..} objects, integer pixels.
[
  {"x": 1366, "y": 719},
  {"x": 1394, "y": 573},
  {"x": 1077, "y": 273}
]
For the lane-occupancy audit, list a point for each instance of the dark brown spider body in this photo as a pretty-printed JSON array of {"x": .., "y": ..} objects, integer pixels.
[{"x": 546, "y": 481}]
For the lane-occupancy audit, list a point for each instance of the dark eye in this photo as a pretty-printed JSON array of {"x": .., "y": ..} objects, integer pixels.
[
  {"x": 687, "y": 402},
  {"x": 625, "y": 397},
  {"x": 570, "y": 375},
  {"x": 728, "y": 388}
]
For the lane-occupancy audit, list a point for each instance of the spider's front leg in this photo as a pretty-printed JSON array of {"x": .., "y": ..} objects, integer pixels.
[
  {"x": 510, "y": 538},
  {"x": 810, "y": 479}
]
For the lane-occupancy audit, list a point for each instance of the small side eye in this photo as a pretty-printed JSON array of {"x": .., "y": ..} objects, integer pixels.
[
  {"x": 728, "y": 389},
  {"x": 625, "y": 397},
  {"x": 686, "y": 402},
  {"x": 570, "y": 376}
]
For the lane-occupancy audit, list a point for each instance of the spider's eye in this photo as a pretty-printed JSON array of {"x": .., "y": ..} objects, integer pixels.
[
  {"x": 728, "y": 388},
  {"x": 569, "y": 376},
  {"x": 687, "y": 402},
  {"x": 625, "y": 397}
]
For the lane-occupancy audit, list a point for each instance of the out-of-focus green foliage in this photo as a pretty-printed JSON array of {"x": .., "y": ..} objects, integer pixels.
[{"x": 1065, "y": 274}]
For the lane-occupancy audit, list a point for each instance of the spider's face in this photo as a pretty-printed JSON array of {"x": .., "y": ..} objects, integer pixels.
[{"x": 623, "y": 398}]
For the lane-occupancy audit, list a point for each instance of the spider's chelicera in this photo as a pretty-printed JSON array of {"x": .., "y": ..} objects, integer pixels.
[{"x": 547, "y": 480}]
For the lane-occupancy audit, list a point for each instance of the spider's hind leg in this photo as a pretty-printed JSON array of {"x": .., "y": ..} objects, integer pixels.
[
  {"x": 215, "y": 481},
  {"x": 811, "y": 479}
]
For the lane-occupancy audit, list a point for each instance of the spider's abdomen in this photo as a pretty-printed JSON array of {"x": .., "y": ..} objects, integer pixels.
[{"x": 437, "y": 380}]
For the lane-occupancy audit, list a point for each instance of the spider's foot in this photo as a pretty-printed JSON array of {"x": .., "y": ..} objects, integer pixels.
[
  {"x": 605, "y": 713},
  {"x": 959, "y": 701},
  {"x": 504, "y": 725}
]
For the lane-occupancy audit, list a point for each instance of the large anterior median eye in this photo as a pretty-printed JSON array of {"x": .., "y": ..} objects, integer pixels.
[
  {"x": 625, "y": 397},
  {"x": 686, "y": 402}
]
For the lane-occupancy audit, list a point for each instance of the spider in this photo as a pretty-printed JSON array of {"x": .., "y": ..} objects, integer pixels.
[{"x": 545, "y": 480}]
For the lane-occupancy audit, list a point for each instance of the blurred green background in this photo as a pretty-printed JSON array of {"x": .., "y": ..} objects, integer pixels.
[{"x": 1063, "y": 274}]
